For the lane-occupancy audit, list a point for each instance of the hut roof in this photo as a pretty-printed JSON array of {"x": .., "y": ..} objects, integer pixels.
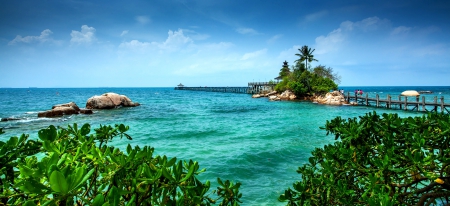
[
  {"x": 410, "y": 93},
  {"x": 180, "y": 85}
]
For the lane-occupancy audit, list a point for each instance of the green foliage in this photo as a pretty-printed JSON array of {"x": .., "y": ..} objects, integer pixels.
[
  {"x": 284, "y": 71},
  {"x": 379, "y": 160},
  {"x": 305, "y": 82},
  {"x": 79, "y": 168},
  {"x": 305, "y": 54}
]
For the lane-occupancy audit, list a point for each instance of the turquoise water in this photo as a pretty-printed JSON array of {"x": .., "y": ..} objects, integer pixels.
[{"x": 253, "y": 141}]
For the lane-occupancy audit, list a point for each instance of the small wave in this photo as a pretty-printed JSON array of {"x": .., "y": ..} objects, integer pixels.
[{"x": 31, "y": 112}]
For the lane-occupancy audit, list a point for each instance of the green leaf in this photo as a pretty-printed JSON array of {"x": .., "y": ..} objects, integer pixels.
[
  {"x": 29, "y": 203},
  {"x": 98, "y": 200},
  {"x": 58, "y": 182},
  {"x": 113, "y": 196},
  {"x": 85, "y": 129},
  {"x": 190, "y": 172},
  {"x": 85, "y": 178}
]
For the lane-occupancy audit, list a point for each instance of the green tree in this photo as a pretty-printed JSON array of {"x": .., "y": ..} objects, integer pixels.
[
  {"x": 306, "y": 54},
  {"x": 378, "y": 160},
  {"x": 284, "y": 71},
  {"x": 78, "y": 167},
  {"x": 327, "y": 72}
]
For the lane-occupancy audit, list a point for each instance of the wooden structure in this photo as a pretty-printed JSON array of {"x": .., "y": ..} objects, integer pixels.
[
  {"x": 261, "y": 87},
  {"x": 402, "y": 102},
  {"x": 244, "y": 90},
  {"x": 252, "y": 88}
]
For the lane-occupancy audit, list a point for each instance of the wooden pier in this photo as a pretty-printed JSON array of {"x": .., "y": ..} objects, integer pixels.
[
  {"x": 402, "y": 102},
  {"x": 244, "y": 90},
  {"x": 252, "y": 88}
]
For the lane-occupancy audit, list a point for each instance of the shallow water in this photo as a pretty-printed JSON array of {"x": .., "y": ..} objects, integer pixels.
[{"x": 253, "y": 141}]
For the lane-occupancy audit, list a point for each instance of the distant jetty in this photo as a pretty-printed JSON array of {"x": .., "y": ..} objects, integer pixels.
[{"x": 252, "y": 88}]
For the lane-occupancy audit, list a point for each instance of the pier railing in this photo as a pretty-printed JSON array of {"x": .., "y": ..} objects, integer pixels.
[{"x": 402, "y": 102}]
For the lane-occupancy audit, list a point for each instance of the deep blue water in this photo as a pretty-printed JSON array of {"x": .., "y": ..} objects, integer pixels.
[{"x": 253, "y": 141}]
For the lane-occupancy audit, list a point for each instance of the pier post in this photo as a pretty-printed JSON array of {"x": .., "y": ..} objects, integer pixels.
[
  {"x": 356, "y": 98},
  {"x": 348, "y": 97},
  {"x": 400, "y": 101},
  {"x": 378, "y": 100},
  {"x": 423, "y": 104},
  {"x": 367, "y": 99},
  {"x": 389, "y": 101},
  {"x": 406, "y": 103},
  {"x": 442, "y": 104},
  {"x": 435, "y": 104},
  {"x": 417, "y": 100}
]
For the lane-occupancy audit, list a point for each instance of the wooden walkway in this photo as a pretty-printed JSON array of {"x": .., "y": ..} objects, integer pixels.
[
  {"x": 244, "y": 90},
  {"x": 252, "y": 88},
  {"x": 402, "y": 102}
]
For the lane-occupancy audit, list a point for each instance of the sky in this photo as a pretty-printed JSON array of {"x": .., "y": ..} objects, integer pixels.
[{"x": 161, "y": 43}]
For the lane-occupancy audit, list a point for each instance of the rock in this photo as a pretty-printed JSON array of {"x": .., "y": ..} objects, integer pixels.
[
  {"x": 86, "y": 111},
  {"x": 272, "y": 93},
  {"x": 9, "y": 119},
  {"x": 331, "y": 98},
  {"x": 109, "y": 101},
  {"x": 70, "y": 104},
  {"x": 274, "y": 98},
  {"x": 287, "y": 95},
  {"x": 60, "y": 110},
  {"x": 256, "y": 96}
]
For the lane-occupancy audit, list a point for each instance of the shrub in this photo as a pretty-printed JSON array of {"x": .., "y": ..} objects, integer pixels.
[
  {"x": 79, "y": 168},
  {"x": 379, "y": 160}
]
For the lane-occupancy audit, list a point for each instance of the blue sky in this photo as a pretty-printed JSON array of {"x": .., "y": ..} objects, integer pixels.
[{"x": 220, "y": 43}]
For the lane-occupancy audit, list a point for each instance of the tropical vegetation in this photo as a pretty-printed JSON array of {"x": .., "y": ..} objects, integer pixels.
[
  {"x": 306, "y": 81},
  {"x": 378, "y": 160},
  {"x": 75, "y": 166},
  {"x": 375, "y": 160}
]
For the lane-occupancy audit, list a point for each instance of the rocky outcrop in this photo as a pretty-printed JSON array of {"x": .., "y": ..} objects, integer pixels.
[
  {"x": 287, "y": 95},
  {"x": 64, "y": 109},
  {"x": 110, "y": 101},
  {"x": 331, "y": 98}
]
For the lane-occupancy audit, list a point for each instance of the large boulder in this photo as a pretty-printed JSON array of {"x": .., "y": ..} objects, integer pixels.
[
  {"x": 331, "y": 98},
  {"x": 287, "y": 95},
  {"x": 109, "y": 101},
  {"x": 63, "y": 109}
]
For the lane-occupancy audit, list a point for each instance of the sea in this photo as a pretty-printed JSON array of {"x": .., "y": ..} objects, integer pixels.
[{"x": 256, "y": 142}]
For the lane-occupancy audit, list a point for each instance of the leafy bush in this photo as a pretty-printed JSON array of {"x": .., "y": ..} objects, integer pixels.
[
  {"x": 379, "y": 160},
  {"x": 79, "y": 168}
]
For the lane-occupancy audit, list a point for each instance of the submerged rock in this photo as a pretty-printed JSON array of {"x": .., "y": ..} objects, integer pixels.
[
  {"x": 110, "y": 101},
  {"x": 9, "y": 119}
]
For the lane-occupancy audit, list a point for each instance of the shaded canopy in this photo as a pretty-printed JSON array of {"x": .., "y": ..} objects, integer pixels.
[{"x": 410, "y": 93}]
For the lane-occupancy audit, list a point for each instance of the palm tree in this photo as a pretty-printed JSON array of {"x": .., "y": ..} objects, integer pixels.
[{"x": 306, "y": 55}]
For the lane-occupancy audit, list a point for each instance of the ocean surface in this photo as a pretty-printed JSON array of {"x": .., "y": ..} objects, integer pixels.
[{"x": 253, "y": 141}]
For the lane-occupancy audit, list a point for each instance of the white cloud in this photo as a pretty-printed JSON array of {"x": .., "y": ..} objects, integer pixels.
[
  {"x": 315, "y": 16},
  {"x": 333, "y": 40},
  {"x": 44, "y": 37},
  {"x": 325, "y": 44},
  {"x": 124, "y": 33},
  {"x": 249, "y": 31},
  {"x": 85, "y": 36},
  {"x": 143, "y": 19},
  {"x": 401, "y": 30},
  {"x": 274, "y": 38},
  {"x": 253, "y": 54},
  {"x": 175, "y": 41}
]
